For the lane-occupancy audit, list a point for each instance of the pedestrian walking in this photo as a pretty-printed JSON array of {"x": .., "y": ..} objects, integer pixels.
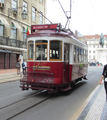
[
  {"x": 18, "y": 66},
  {"x": 24, "y": 67},
  {"x": 104, "y": 77}
]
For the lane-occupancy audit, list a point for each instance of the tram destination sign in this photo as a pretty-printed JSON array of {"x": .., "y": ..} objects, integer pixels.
[{"x": 44, "y": 27}]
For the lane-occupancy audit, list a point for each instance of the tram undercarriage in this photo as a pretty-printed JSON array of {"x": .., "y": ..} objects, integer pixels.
[
  {"x": 51, "y": 88},
  {"x": 34, "y": 84}
]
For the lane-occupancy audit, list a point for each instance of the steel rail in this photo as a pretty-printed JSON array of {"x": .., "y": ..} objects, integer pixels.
[
  {"x": 26, "y": 108},
  {"x": 21, "y": 99},
  {"x": 29, "y": 108}
]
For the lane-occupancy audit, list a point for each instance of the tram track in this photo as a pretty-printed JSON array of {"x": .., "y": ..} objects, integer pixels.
[
  {"x": 19, "y": 107},
  {"x": 29, "y": 108},
  {"x": 21, "y": 100}
]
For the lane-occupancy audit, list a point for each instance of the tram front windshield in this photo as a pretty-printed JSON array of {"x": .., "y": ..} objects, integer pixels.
[{"x": 41, "y": 52}]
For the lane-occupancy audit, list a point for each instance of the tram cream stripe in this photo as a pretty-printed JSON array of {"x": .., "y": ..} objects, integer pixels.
[
  {"x": 78, "y": 112},
  {"x": 97, "y": 107}
]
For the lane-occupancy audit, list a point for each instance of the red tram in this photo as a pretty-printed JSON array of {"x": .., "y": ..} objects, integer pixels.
[{"x": 56, "y": 59}]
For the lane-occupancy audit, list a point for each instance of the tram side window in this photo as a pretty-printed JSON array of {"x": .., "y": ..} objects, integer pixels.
[
  {"x": 82, "y": 55},
  {"x": 55, "y": 49},
  {"x": 79, "y": 54},
  {"x": 30, "y": 50},
  {"x": 85, "y": 55},
  {"x": 74, "y": 53}
]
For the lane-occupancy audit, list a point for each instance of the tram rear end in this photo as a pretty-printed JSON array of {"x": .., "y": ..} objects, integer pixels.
[
  {"x": 50, "y": 64},
  {"x": 40, "y": 77}
]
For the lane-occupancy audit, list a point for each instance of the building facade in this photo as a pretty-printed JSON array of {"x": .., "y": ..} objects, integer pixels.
[
  {"x": 15, "y": 17},
  {"x": 96, "y": 53}
]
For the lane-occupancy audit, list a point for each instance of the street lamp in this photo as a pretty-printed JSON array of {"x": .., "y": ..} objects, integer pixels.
[
  {"x": 14, "y": 11},
  {"x": 24, "y": 14}
]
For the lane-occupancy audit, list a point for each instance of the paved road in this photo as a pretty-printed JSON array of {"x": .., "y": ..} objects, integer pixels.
[{"x": 61, "y": 106}]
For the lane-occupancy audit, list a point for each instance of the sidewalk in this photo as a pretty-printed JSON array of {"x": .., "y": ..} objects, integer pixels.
[
  {"x": 9, "y": 77},
  {"x": 95, "y": 106}
]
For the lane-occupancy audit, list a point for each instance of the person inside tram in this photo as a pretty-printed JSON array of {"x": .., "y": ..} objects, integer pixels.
[{"x": 39, "y": 57}]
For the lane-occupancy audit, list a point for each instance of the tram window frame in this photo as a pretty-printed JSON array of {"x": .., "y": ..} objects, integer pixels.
[
  {"x": 85, "y": 55},
  {"x": 75, "y": 53},
  {"x": 31, "y": 51},
  {"x": 82, "y": 55},
  {"x": 40, "y": 56},
  {"x": 79, "y": 54},
  {"x": 57, "y": 52}
]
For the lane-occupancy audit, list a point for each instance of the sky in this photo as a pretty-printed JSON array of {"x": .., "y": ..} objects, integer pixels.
[{"x": 89, "y": 17}]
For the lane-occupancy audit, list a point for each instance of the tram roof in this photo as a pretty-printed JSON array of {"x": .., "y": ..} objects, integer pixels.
[{"x": 50, "y": 30}]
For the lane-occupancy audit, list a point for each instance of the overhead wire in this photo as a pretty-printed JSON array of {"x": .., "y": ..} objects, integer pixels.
[
  {"x": 83, "y": 20},
  {"x": 101, "y": 5},
  {"x": 95, "y": 11},
  {"x": 102, "y": 25}
]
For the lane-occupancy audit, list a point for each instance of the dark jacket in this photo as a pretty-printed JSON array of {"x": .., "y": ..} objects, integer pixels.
[{"x": 105, "y": 71}]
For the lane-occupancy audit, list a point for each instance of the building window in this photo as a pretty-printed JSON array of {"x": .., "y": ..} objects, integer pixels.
[
  {"x": 94, "y": 51},
  {"x": 93, "y": 46},
  {"x": 89, "y": 51},
  {"x": 2, "y": 1},
  {"x": 94, "y": 57},
  {"x": 24, "y": 34},
  {"x": 13, "y": 31},
  {"x": 1, "y": 28},
  {"x": 41, "y": 18},
  {"x": 25, "y": 6},
  {"x": 14, "y": 4},
  {"x": 92, "y": 42},
  {"x": 33, "y": 14},
  {"x": 41, "y": 1}
]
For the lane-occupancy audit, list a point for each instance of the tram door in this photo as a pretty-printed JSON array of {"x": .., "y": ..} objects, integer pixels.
[{"x": 66, "y": 63}]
